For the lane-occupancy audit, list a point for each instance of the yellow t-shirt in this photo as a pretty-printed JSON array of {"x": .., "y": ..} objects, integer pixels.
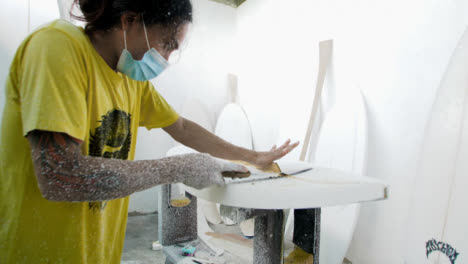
[{"x": 58, "y": 82}]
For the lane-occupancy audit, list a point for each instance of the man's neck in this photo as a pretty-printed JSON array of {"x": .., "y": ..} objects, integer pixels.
[{"x": 107, "y": 44}]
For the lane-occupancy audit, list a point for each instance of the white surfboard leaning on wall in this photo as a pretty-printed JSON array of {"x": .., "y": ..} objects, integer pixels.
[
  {"x": 438, "y": 217},
  {"x": 234, "y": 127},
  {"x": 342, "y": 144}
]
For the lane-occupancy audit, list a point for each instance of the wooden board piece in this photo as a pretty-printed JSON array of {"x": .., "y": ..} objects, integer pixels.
[{"x": 325, "y": 52}]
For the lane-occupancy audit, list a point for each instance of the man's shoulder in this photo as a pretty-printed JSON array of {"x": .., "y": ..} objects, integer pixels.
[{"x": 61, "y": 30}]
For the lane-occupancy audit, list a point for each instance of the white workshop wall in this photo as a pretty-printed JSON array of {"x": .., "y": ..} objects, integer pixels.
[
  {"x": 201, "y": 74},
  {"x": 17, "y": 19},
  {"x": 395, "y": 51},
  {"x": 14, "y": 18}
]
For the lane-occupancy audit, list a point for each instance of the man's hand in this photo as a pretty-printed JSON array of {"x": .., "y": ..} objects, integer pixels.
[{"x": 264, "y": 159}]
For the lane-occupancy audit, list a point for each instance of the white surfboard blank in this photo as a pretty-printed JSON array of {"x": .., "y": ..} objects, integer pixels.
[
  {"x": 234, "y": 127},
  {"x": 437, "y": 224},
  {"x": 342, "y": 145}
]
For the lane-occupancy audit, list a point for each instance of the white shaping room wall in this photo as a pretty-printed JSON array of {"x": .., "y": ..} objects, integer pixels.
[
  {"x": 394, "y": 51},
  {"x": 201, "y": 73},
  {"x": 17, "y": 19}
]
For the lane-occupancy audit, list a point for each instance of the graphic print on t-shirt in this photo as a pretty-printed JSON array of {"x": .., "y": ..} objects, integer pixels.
[{"x": 111, "y": 139}]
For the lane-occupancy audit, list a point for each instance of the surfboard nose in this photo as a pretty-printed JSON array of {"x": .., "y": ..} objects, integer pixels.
[{"x": 437, "y": 231}]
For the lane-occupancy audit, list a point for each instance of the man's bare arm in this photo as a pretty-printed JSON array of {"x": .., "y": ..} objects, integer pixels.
[
  {"x": 64, "y": 174},
  {"x": 193, "y": 135}
]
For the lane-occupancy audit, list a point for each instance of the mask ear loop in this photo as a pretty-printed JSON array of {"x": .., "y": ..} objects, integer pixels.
[
  {"x": 125, "y": 38},
  {"x": 146, "y": 35}
]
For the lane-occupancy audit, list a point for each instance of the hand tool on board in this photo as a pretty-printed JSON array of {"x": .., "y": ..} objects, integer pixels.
[{"x": 275, "y": 170}]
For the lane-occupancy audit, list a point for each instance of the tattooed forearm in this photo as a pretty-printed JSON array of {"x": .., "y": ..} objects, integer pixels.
[{"x": 64, "y": 174}]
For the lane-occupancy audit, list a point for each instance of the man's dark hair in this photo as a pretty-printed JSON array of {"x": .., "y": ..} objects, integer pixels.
[{"x": 105, "y": 14}]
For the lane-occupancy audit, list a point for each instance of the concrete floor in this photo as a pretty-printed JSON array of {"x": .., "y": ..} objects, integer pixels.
[{"x": 142, "y": 230}]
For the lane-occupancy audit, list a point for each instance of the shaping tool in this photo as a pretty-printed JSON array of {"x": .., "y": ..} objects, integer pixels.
[{"x": 275, "y": 170}]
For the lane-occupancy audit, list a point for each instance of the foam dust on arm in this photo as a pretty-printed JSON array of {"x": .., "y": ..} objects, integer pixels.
[{"x": 64, "y": 174}]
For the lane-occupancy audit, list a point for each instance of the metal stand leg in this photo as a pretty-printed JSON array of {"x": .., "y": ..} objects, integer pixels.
[
  {"x": 176, "y": 225},
  {"x": 307, "y": 231},
  {"x": 317, "y": 221},
  {"x": 268, "y": 240}
]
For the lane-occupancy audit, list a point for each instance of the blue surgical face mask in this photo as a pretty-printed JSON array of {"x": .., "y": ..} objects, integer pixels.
[{"x": 150, "y": 66}]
